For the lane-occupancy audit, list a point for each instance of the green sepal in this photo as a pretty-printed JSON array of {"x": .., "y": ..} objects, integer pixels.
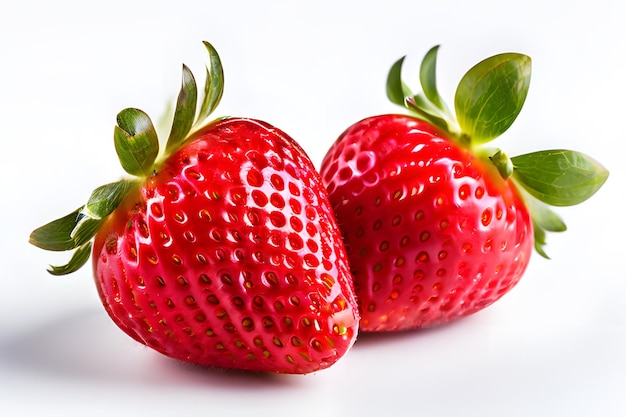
[
  {"x": 559, "y": 177},
  {"x": 57, "y": 235},
  {"x": 137, "y": 146},
  {"x": 214, "y": 84},
  {"x": 491, "y": 94},
  {"x": 136, "y": 141},
  {"x": 185, "y": 110},
  {"x": 106, "y": 198},
  {"x": 428, "y": 78},
  {"x": 77, "y": 229},
  {"x": 544, "y": 219},
  {"x": 102, "y": 202},
  {"x": 422, "y": 109},
  {"x": 540, "y": 240},
  {"x": 85, "y": 230},
  {"x": 79, "y": 258},
  {"x": 397, "y": 90},
  {"x": 427, "y": 105},
  {"x": 487, "y": 101}
]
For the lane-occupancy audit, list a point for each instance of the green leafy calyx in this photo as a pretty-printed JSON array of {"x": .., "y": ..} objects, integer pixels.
[
  {"x": 137, "y": 146},
  {"x": 487, "y": 101}
]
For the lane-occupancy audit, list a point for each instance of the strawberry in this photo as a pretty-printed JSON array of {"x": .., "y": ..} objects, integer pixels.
[
  {"x": 436, "y": 225},
  {"x": 224, "y": 251}
]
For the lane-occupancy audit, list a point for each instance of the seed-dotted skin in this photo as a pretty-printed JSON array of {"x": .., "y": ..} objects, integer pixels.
[
  {"x": 230, "y": 256},
  {"x": 432, "y": 233}
]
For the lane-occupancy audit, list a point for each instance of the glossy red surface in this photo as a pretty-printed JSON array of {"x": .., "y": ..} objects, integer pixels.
[
  {"x": 230, "y": 256},
  {"x": 432, "y": 232}
]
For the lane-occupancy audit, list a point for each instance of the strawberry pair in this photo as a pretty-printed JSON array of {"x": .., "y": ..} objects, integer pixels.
[{"x": 227, "y": 248}]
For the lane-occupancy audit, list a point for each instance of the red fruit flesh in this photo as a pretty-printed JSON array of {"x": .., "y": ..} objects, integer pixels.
[
  {"x": 432, "y": 232},
  {"x": 230, "y": 256}
]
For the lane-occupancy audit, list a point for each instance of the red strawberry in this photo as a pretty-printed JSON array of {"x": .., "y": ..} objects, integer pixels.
[
  {"x": 226, "y": 253},
  {"x": 436, "y": 226}
]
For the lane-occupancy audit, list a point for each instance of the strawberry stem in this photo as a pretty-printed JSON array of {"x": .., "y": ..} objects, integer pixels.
[{"x": 503, "y": 163}]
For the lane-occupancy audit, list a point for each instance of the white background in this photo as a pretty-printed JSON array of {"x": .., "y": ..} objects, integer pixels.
[{"x": 554, "y": 346}]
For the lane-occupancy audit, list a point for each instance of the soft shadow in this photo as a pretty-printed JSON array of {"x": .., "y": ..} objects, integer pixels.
[
  {"x": 179, "y": 372},
  {"x": 87, "y": 346},
  {"x": 375, "y": 339}
]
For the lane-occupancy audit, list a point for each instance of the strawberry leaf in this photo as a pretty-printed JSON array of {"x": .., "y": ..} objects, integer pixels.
[
  {"x": 427, "y": 105},
  {"x": 546, "y": 217},
  {"x": 102, "y": 202},
  {"x": 75, "y": 229},
  {"x": 397, "y": 90},
  {"x": 428, "y": 78},
  {"x": 79, "y": 258},
  {"x": 544, "y": 220},
  {"x": 559, "y": 177},
  {"x": 185, "y": 110},
  {"x": 540, "y": 239},
  {"x": 423, "y": 109},
  {"x": 491, "y": 94},
  {"x": 136, "y": 141},
  {"x": 85, "y": 230},
  {"x": 137, "y": 146},
  {"x": 214, "y": 85},
  {"x": 106, "y": 198},
  {"x": 57, "y": 235}
]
